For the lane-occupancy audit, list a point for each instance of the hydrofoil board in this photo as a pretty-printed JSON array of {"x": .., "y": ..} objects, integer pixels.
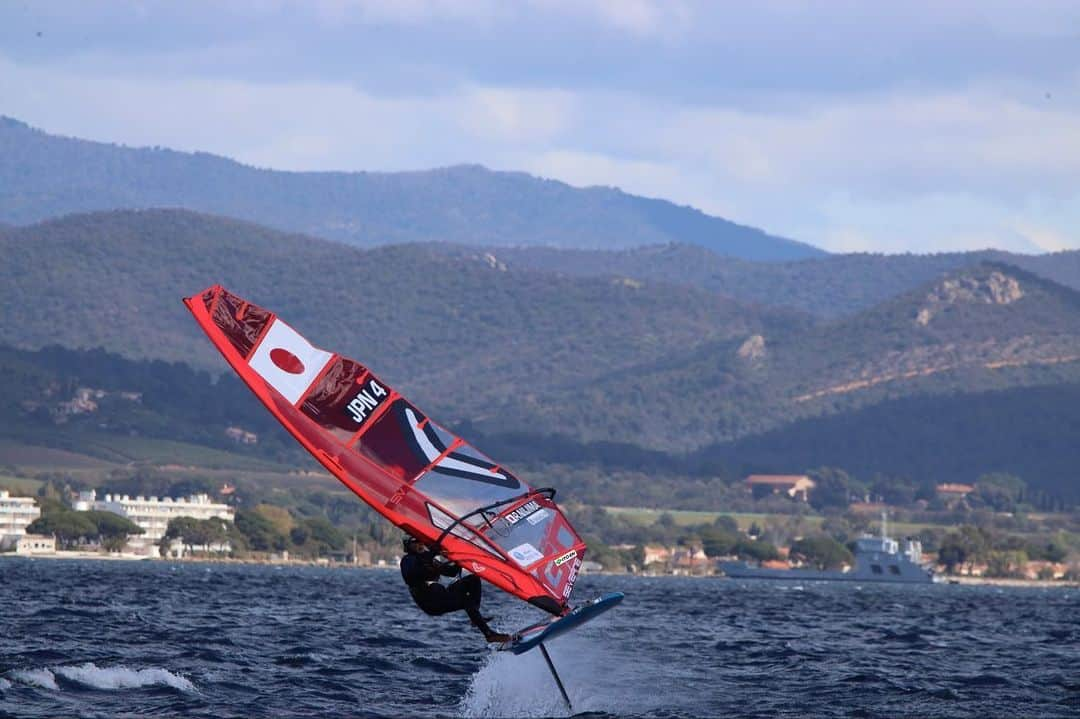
[{"x": 532, "y": 636}]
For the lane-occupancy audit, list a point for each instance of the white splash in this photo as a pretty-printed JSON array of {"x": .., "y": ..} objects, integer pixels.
[
  {"x": 522, "y": 686},
  {"x": 120, "y": 677},
  {"x": 91, "y": 675},
  {"x": 35, "y": 677},
  {"x": 509, "y": 685},
  {"x": 4, "y": 684}
]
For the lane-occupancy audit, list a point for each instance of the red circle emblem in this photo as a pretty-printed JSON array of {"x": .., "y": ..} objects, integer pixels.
[{"x": 286, "y": 361}]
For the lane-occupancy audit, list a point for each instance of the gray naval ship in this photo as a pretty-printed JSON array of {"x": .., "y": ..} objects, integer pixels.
[{"x": 877, "y": 559}]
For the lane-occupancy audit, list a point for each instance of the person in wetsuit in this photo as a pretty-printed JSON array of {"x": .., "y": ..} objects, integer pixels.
[{"x": 421, "y": 568}]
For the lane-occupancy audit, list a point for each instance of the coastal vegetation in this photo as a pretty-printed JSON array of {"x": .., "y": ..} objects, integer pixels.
[
  {"x": 75, "y": 529},
  {"x": 313, "y": 523}
]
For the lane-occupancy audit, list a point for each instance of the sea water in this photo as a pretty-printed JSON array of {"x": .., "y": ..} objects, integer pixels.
[{"x": 115, "y": 638}]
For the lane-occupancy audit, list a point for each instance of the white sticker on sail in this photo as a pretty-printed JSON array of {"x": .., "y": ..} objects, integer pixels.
[
  {"x": 287, "y": 361},
  {"x": 537, "y": 517},
  {"x": 526, "y": 554}
]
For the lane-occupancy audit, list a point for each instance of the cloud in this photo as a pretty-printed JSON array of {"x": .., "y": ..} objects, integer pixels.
[
  {"x": 514, "y": 115},
  {"x": 400, "y": 12},
  {"x": 913, "y": 127}
]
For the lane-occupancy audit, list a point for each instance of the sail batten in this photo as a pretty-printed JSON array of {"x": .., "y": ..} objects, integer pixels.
[{"x": 414, "y": 472}]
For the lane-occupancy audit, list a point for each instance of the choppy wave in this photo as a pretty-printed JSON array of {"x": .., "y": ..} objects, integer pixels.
[
  {"x": 153, "y": 639},
  {"x": 42, "y": 678},
  {"x": 121, "y": 677},
  {"x": 106, "y": 678}
]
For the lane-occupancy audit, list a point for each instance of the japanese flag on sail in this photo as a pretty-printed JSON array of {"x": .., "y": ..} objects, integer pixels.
[{"x": 287, "y": 361}]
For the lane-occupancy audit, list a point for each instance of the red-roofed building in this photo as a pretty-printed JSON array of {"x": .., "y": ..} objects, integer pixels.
[
  {"x": 796, "y": 486},
  {"x": 951, "y": 491}
]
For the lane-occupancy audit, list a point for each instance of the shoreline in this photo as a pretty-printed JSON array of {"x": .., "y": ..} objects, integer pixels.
[{"x": 95, "y": 556}]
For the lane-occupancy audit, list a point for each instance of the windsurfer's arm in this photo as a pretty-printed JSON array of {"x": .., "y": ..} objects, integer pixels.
[
  {"x": 441, "y": 564},
  {"x": 446, "y": 567}
]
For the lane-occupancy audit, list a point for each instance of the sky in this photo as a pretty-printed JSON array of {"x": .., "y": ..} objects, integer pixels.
[{"x": 856, "y": 126}]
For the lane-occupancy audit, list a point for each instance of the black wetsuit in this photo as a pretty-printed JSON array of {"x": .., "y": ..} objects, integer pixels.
[{"x": 421, "y": 572}]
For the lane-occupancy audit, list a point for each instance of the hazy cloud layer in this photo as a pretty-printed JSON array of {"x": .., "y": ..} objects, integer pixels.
[{"x": 923, "y": 126}]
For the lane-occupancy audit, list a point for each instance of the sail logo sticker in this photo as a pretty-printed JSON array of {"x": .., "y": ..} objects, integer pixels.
[
  {"x": 537, "y": 517},
  {"x": 366, "y": 400},
  {"x": 287, "y": 361},
  {"x": 572, "y": 554},
  {"x": 526, "y": 554},
  {"x": 571, "y": 579},
  {"x": 522, "y": 512}
]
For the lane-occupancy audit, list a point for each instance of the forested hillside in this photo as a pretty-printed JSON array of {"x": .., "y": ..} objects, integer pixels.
[
  {"x": 1029, "y": 432},
  {"x": 988, "y": 327},
  {"x": 63, "y": 397},
  {"x": 503, "y": 349},
  {"x": 829, "y": 287},
  {"x": 461, "y": 336},
  {"x": 44, "y": 176},
  {"x": 69, "y": 399}
]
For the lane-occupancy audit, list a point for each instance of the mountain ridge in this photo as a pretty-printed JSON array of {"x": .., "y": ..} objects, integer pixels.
[{"x": 461, "y": 203}]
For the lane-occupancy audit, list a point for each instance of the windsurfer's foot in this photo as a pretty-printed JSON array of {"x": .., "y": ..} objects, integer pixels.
[{"x": 497, "y": 637}]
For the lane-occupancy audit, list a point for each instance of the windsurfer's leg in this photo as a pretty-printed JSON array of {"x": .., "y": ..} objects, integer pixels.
[
  {"x": 437, "y": 600},
  {"x": 469, "y": 590}
]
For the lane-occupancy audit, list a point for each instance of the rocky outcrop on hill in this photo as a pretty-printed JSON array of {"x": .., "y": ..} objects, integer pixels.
[{"x": 994, "y": 289}]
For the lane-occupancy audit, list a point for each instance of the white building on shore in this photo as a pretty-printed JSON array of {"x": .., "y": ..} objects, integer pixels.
[
  {"x": 32, "y": 545},
  {"x": 15, "y": 514},
  {"x": 153, "y": 514}
]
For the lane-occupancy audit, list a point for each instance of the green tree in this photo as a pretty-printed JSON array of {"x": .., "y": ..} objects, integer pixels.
[
  {"x": 196, "y": 532},
  {"x": 113, "y": 530},
  {"x": 967, "y": 546},
  {"x": 299, "y": 535},
  {"x": 758, "y": 550},
  {"x": 1000, "y": 492},
  {"x": 1050, "y": 551},
  {"x": 833, "y": 488},
  {"x": 839, "y": 528},
  {"x": 1010, "y": 564},
  {"x": 717, "y": 541},
  {"x": 68, "y": 527},
  {"x": 727, "y": 523},
  {"x": 822, "y": 552},
  {"x": 258, "y": 532},
  {"x": 323, "y": 531}
]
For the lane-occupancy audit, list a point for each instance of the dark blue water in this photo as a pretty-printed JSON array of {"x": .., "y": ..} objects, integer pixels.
[{"x": 102, "y": 639}]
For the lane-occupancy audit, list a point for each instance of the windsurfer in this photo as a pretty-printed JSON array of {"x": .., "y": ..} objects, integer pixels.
[{"x": 421, "y": 568}]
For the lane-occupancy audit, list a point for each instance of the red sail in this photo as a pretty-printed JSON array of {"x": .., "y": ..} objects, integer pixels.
[{"x": 412, "y": 471}]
